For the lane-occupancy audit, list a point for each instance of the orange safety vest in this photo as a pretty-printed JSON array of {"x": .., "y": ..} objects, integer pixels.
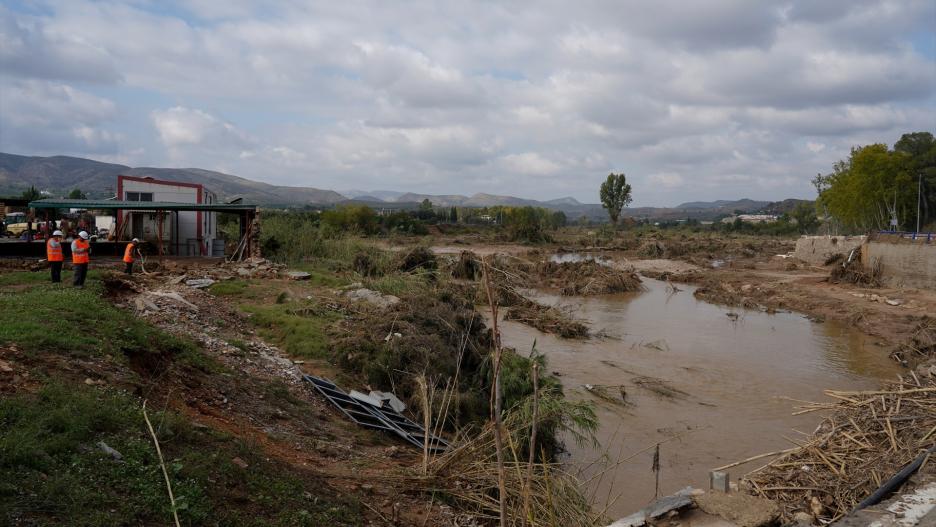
[
  {"x": 80, "y": 250},
  {"x": 128, "y": 253},
  {"x": 54, "y": 251}
]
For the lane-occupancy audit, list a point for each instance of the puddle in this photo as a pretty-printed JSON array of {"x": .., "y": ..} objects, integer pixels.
[{"x": 690, "y": 370}]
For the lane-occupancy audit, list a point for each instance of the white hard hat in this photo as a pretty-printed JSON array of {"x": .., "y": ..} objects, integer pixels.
[
  {"x": 136, "y": 240},
  {"x": 83, "y": 234},
  {"x": 57, "y": 233}
]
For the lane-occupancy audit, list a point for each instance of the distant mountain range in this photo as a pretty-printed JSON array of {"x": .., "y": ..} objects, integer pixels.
[
  {"x": 60, "y": 174},
  {"x": 57, "y": 175}
]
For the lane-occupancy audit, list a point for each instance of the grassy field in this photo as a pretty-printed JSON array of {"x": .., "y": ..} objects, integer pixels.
[{"x": 53, "y": 470}]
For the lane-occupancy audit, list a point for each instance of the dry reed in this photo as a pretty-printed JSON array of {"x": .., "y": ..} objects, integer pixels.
[{"x": 866, "y": 439}]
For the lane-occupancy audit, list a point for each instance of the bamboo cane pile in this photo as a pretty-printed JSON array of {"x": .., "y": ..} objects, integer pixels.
[{"x": 866, "y": 439}]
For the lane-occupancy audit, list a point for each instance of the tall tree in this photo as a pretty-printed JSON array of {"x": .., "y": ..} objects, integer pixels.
[
  {"x": 869, "y": 188},
  {"x": 921, "y": 149},
  {"x": 615, "y": 195},
  {"x": 77, "y": 194}
]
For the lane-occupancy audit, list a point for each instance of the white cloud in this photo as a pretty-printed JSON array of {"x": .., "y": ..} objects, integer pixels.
[
  {"x": 181, "y": 127},
  {"x": 694, "y": 100}
]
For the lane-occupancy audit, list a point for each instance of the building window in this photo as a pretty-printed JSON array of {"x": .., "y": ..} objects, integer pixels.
[{"x": 139, "y": 196}]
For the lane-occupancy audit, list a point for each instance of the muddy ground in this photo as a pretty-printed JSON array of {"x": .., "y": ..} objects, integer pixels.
[{"x": 314, "y": 437}]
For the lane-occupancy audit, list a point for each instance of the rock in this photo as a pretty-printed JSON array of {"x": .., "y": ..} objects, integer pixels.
[
  {"x": 110, "y": 451},
  {"x": 239, "y": 462},
  {"x": 142, "y": 304},
  {"x": 803, "y": 518},
  {"x": 741, "y": 509},
  {"x": 5, "y": 367},
  {"x": 241, "y": 271},
  {"x": 893, "y": 301},
  {"x": 298, "y": 275},
  {"x": 199, "y": 283},
  {"x": 373, "y": 297},
  {"x": 91, "y": 382},
  {"x": 746, "y": 288}
]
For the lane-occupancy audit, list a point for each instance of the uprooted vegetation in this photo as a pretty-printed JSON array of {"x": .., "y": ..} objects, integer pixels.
[
  {"x": 852, "y": 271},
  {"x": 587, "y": 278}
]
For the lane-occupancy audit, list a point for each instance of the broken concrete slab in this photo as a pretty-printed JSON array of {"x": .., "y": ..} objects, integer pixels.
[
  {"x": 741, "y": 509},
  {"x": 298, "y": 275},
  {"x": 658, "y": 508}
]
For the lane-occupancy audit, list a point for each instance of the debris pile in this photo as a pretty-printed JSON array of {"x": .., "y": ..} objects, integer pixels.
[
  {"x": 467, "y": 267},
  {"x": 868, "y": 438},
  {"x": 852, "y": 271},
  {"x": 652, "y": 249},
  {"x": 547, "y": 319},
  {"x": 417, "y": 258},
  {"x": 224, "y": 270},
  {"x": 922, "y": 340},
  {"x": 587, "y": 278}
]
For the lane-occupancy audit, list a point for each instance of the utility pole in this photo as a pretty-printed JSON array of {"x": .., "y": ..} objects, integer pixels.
[{"x": 919, "y": 197}]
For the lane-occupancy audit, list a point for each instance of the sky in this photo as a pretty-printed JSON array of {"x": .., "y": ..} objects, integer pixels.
[{"x": 692, "y": 100}]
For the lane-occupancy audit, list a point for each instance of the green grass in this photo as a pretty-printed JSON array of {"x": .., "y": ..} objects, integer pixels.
[
  {"x": 229, "y": 288},
  {"x": 53, "y": 473},
  {"x": 299, "y": 329},
  {"x": 398, "y": 283},
  {"x": 56, "y": 318},
  {"x": 321, "y": 276}
]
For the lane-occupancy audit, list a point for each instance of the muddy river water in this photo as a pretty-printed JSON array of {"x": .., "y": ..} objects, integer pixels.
[{"x": 716, "y": 385}]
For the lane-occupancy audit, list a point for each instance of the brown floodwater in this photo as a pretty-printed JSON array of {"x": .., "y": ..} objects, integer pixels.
[{"x": 728, "y": 380}]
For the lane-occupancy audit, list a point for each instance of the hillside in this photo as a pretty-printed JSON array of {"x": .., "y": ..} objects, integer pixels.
[
  {"x": 60, "y": 174},
  {"x": 740, "y": 204}
]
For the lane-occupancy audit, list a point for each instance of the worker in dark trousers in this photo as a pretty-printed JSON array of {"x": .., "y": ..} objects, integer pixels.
[
  {"x": 128, "y": 255},
  {"x": 55, "y": 256},
  {"x": 81, "y": 255}
]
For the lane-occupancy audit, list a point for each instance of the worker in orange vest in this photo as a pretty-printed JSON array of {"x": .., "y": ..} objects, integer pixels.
[
  {"x": 54, "y": 256},
  {"x": 128, "y": 255},
  {"x": 81, "y": 255}
]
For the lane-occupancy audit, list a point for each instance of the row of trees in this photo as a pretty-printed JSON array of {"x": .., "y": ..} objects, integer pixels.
[
  {"x": 881, "y": 188},
  {"x": 32, "y": 194}
]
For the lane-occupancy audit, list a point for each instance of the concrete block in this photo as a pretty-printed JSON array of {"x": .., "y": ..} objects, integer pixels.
[{"x": 719, "y": 481}]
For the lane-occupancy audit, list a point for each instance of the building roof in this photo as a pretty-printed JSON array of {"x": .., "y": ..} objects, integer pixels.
[{"x": 112, "y": 204}]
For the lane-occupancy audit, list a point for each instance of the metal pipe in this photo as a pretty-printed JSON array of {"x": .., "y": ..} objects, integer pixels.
[{"x": 896, "y": 481}]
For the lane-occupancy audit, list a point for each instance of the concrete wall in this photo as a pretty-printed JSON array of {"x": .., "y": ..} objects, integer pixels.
[
  {"x": 904, "y": 263},
  {"x": 816, "y": 249}
]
